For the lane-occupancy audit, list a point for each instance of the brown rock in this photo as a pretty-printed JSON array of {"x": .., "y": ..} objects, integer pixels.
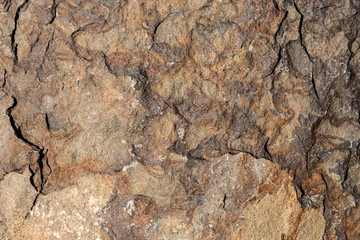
[{"x": 179, "y": 119}]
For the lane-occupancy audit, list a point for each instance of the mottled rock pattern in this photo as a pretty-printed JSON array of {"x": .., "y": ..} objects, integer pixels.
[{"x": 180, "y": 119}]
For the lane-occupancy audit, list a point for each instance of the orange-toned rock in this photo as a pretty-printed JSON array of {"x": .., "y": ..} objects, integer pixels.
[{"x": 179, "y": 119}]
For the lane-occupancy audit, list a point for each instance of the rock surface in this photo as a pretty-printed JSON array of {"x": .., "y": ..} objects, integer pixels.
[{"x": 206, "y": 119}]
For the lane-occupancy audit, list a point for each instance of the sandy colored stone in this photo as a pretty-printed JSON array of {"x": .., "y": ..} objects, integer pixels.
[
  {"x": 312, "y": 225},
  {"x": 17, "y": 196},
  {"x": 253, "y": 200},
  {"x": 269, "y": 217},
  {"x": 70, "y": 213}
]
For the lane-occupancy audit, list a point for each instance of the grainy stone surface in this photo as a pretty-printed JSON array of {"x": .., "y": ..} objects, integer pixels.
[{"x": 180, "y": 119}]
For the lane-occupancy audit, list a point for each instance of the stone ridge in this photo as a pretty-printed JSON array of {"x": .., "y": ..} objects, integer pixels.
[{"x": 180, "y": 119}]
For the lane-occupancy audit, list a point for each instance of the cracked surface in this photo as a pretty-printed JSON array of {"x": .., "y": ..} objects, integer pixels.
[{"x": 180, "y": 119}]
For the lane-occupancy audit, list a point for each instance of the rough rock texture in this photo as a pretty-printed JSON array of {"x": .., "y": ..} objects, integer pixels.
[{"x": 180, "y": 119}]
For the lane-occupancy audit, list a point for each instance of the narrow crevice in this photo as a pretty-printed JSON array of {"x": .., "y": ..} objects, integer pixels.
[
  {"x": 303, "y": 197},
  {"x": 7, "y": 5},
  {"x": 306, "y": 51},
  {"x": 41, "y": 151},
  {"x": 352, "y": 36},
  {"x": 14, "y": 46},
  {"x": 157, "y": 26},
  {"x": 266, "y": 150},
  {"x": 300, "y": 24},
  {"x": 275, "y": 66},
  {"x": 277, "y": 46},
  {"x": 53, "y": 11},
  {"x": 17, "y": 130},
  {"x": 32, "y": 45},
  {"x": 48, "y": 165},
  {"x": 32, "y": 178},
  {"x": 224, "y": 201},
  {"x": 351, "y": 40},
  {"x": 346, "y": 168},
  {"x": 314, "y": 87},
  {"x": 4, "y": 79},
  {"x": 82, "y": 28},
  {"x": 235, "y": 152},
  {"x": 41, "y": 167},
  {"x": 325, "y": 198},
  {"x": 47, "y": 122},
  {"x": 280, "y": 25},
  {"x": 307, "y": 155},
  {"x": 276, "y": 5},
  {"x": 33, "y": 205},
  {"x": 40, "y": 162}
]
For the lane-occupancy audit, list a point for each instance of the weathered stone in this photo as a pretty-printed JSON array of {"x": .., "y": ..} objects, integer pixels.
[
  {"x": 71, "y": 213},
  {"x": 312, "y": 225},
  {"x": 17, "y": 198},
  {"x": 179, "y": 119}
]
